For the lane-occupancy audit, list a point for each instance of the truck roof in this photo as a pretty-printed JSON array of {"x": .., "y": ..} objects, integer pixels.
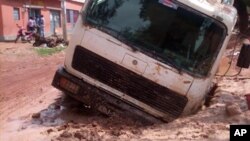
[{"x": 225, "y": 13}]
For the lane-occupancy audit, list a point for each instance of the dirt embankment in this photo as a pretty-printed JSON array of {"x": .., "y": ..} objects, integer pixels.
[{"x": 32, "y": 110}]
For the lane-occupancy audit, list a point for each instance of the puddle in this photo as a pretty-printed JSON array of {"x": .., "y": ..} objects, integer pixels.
[{"x": 49, "y": 116}]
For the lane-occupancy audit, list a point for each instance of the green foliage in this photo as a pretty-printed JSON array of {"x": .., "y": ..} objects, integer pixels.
[{"x": 44, "y": 51}]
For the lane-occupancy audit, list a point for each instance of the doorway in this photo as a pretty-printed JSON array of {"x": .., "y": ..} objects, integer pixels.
[
  {"x": 35, "y": 13},
  {"x": 55, "y": 20}
]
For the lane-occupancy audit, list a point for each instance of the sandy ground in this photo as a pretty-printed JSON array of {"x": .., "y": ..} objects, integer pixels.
[{"x": 32, "y": 110}]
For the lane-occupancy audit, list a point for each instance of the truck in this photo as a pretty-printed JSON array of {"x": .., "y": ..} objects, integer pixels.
[{"x": 155, "y": 59}]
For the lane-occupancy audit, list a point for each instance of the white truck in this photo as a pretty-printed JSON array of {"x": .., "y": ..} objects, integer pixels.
[{"x": 152, "y": 58}]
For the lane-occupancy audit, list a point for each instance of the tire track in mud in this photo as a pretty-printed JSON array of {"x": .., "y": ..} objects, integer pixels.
[
  {"x": 24, "y": 80},
  {"x": 21, "y": 95},
  {"x": 26, "y": 104}
]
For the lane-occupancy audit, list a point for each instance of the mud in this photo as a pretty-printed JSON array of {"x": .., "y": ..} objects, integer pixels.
[{"x": 32, "y": 110}]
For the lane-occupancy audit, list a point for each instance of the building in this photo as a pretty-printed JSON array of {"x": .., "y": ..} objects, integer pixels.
[{"x": 13, "y": 12}]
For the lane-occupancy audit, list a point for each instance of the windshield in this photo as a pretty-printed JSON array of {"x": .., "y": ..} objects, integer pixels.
[{"x": 161, "y": 29}]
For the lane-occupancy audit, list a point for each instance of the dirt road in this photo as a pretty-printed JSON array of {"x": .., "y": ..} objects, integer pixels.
[
  {"x": 24, "y": 83},
  {"x": 32, "y": 110}
]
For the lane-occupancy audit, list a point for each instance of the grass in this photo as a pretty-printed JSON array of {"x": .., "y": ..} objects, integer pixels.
[{"x": 44, "y": 51}]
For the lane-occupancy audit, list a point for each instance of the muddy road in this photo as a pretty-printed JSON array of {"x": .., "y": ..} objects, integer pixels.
[{"x": 32, "y": 110}]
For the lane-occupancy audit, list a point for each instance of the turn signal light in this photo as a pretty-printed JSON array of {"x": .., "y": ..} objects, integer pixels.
[{"x": 69, "y": 86}]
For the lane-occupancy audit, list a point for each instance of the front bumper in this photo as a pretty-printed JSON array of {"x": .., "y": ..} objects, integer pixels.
[{"x": 96, "y": 97}]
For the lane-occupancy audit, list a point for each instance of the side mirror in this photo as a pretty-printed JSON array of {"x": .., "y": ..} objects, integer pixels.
[{"x": 244, "y": 57}]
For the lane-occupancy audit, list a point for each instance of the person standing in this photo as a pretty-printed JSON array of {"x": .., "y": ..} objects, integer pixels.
[
  {"x": 37, "y": 24},
  {"x": 41, "y": 24},
  {"x": 31, "y": 24}
]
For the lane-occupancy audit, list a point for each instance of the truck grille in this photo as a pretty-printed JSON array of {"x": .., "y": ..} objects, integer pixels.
[{"x": 128, "y": 82}]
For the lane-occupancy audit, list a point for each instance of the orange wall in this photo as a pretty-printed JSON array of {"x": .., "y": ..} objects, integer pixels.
[
  {"x": 46, "y": 12},
  {"x": 1, "y": 21},
  {"x": 8, "y": 23},
  {"x": 8, "y": 26},
  {"x": 73, "y": 6}
]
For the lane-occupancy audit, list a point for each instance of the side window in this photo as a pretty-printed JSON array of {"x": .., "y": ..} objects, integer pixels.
[
  {"x": 16, "y": 14},
  {"x": 72, "y": 15},
  {"x": 68, "y": 15}
]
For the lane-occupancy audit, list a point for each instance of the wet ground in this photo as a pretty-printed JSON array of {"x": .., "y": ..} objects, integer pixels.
[{"x": 32, "y": 110}]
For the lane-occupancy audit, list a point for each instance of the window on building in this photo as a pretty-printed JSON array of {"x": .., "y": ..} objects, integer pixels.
[
  {"x": 76, "y": 14},
  {"x": 72, "y": 15},
  {"x": 16, "y": 14},
  {"x": 68, "y": 15}
]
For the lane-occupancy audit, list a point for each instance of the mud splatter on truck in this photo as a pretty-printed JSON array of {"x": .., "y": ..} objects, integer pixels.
[{"x": 155, "y": 59}]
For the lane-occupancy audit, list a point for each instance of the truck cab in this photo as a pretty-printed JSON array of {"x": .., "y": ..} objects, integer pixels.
[{"x": 152, "y": 58}]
